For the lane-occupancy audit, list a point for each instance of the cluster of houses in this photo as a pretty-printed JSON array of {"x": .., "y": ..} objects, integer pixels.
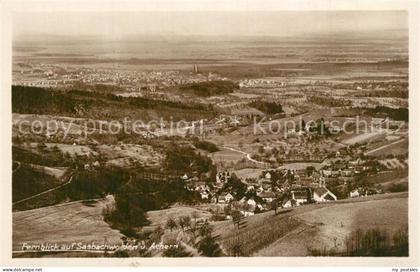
[
  {"x": 262, "y": 193},
  {"x": 261, "y": 82},
  {"x": 265, "y": 194},
  {"x": 349, "y": 169},
  {"x": 289, "y": 188}
]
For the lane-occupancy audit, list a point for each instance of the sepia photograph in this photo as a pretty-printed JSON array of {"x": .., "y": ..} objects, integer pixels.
[{"x": 210, "y": 133}]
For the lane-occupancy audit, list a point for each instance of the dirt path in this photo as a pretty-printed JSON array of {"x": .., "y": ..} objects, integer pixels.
[
  {"x": 384, "y": 146},
  {"x": 248, "y": 156},
  {"x": 59, "y": 205},
  {"x": 395, "y": 181},
  {"x": 17, "y": 168},
  {"x": 44, "y": 192}
]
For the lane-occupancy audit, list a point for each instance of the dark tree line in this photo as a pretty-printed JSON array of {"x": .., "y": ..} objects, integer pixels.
[
  {"x": 41, "y": 101},
  {"x": 267, "y": 107},
  {"x": 329, "y": 101},
  {"x": 205, "y": 145},
  {"x": 210, "y": 88},
  {"x": 95, "y": 184},
  {"x": 49, "y": 101},
  {"x": 400, "y": 114},
  {"x": 371, "y": 242},
  {"x": 186, "y": 160},
  {"x": 135, "y": 198}
]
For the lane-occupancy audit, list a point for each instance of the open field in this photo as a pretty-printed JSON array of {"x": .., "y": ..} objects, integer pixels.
[
  {"x": 64, "y": 224},
  {"x": 73, "y": 150},
  {"x": 248, "y": 173},
  {"x": 69, "y": 125},
  {"x": 227, "y": 155},
  {"x": 124, "y": 154}
]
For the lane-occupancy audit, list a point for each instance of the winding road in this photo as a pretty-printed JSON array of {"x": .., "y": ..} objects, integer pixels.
[{"x": 248, "y": 156}]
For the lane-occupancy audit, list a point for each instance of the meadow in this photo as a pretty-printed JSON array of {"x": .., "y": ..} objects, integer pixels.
[{"x": 68, "y": 223}]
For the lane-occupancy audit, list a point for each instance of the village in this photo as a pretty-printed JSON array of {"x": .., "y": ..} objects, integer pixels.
[{"x": 287, "y": 188}]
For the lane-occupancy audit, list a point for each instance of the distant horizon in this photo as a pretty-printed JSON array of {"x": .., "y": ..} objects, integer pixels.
[
  {"x": 273, "y": 25},
  {"x": 398, "y": 34}
]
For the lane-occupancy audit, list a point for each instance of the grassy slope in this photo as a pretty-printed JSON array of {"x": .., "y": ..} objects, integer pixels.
[
  {"x": 399, "y": 148},
  {"x": 65, "y": 223},
  {"x": 291, "y": 232},
  {"x": 29, "y": 180}
]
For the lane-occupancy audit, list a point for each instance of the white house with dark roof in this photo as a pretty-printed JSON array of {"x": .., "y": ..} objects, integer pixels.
[
  {"x": 298, "y": 197},
  {"x": 225, "y": 198},
  {"x": 355, "y": 193},
  {"x": 322, "y": 194}
]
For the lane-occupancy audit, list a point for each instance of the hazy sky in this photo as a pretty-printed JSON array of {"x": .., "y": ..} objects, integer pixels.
[{"x": 240, "y": 23}]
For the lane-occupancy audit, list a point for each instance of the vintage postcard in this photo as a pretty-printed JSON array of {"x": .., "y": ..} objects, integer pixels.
[{"x": 137, "y": 132}]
